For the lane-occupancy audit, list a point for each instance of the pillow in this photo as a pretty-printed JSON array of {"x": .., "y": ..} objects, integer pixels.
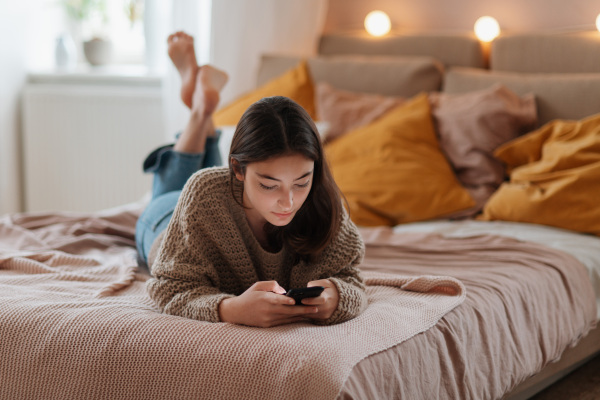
[
  {"x": 345, "y": 110},
  {"x": 295, "y": 84},
  {"x": 404, "y": 76},
  {"x": 392, "y": 171},
  {"x": 472, "y": 125},
  {"x": 558, "y": 96},
  {"x": 554, "y": 177}
]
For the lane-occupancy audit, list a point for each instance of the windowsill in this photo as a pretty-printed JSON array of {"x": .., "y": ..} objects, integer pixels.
[{"x": 115, "y": 74}]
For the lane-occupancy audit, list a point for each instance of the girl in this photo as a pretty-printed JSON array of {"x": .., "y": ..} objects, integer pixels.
[{"x": 222, "y": 243}]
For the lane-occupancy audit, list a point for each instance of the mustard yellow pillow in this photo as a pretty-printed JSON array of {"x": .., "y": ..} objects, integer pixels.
[
  {"x": 392, "y": 170},
  {"x": 295, "y": 84},
  {"x": 554, "y": 177}
]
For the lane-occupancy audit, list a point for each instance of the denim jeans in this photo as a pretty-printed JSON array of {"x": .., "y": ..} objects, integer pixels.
[{"x": 171, "y": 171}]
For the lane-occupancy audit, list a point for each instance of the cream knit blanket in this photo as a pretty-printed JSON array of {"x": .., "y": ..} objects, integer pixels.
[{"x": 76, "y": 322}]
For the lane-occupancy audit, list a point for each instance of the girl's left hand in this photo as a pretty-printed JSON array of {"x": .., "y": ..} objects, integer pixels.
[{"x": 327, "y": 302}]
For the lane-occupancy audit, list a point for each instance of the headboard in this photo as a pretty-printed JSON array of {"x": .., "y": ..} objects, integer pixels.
[{"x": 561, "y": 70}]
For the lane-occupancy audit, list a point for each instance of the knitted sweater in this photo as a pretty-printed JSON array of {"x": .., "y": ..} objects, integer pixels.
[{"x": 209, "y": 253}]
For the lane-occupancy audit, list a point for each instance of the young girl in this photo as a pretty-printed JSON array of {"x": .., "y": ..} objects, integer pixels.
[{"x": 224, "y": 243}]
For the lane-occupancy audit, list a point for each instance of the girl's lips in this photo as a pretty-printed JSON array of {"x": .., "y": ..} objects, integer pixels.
[{"x": 282, "y": 215}]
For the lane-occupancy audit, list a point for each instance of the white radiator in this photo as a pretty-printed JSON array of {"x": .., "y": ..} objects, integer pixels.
[{"x": 83, "y": 144}]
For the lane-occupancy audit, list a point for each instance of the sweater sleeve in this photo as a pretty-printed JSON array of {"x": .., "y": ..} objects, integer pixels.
[
  {"x": 341, "y": 259},
  {"x": 185, "y": 282}
]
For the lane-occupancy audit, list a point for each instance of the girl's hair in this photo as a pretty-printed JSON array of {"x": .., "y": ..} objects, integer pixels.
[{"x": 276, "y": 126}]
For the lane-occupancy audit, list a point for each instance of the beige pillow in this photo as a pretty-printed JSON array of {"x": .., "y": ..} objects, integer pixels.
[
  {"x": 344, "y": 110},
  {"x": 472, "y": 125},
  {"x": 388, "y": 76}
]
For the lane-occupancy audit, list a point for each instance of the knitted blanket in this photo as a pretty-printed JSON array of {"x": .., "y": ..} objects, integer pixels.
[{"x": 76, "y": 322}]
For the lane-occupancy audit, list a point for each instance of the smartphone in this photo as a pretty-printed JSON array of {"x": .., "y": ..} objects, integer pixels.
[{"x": 303, "y": 293}]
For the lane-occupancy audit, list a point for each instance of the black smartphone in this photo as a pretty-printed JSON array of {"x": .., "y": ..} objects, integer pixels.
[{"x": 303, "y": 293}]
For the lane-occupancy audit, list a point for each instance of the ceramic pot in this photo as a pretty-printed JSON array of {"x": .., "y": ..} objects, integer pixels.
[{"x": 97, "y": 51}]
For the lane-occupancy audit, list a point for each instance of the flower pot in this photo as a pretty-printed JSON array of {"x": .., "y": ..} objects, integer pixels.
[{"x": 97, "y": 51}]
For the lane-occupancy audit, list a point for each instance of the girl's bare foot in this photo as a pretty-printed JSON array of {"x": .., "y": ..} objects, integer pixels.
[
  {"x": 209, "y": 83},
  {"x": 181, "y": 51},
  {"x": 205, "y": 99}
]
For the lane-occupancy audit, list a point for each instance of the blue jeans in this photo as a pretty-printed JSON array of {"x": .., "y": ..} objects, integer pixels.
[{"x": 171, "y": 171}]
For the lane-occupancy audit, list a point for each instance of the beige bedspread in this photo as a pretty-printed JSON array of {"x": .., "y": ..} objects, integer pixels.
[
  {"x": 526, "y": 304},
  {"x": 76, "y": 322}
]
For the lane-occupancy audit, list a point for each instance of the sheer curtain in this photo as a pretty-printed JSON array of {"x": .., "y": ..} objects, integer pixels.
[{"x": 232, "y": 35}]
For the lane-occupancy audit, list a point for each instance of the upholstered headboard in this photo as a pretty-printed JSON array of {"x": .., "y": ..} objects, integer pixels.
[{"x": 561, "y": 70}]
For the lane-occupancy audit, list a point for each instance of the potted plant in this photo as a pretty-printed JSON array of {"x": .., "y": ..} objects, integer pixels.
[{"x": 90, "y": 18}]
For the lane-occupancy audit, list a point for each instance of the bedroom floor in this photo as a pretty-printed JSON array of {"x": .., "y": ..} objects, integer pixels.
[{"x": 581, "y": 384}]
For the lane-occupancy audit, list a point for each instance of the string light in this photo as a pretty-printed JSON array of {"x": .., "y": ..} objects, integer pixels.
[
  {"x": 377, "y": 23},
  {"x": 487, "y": 29}
]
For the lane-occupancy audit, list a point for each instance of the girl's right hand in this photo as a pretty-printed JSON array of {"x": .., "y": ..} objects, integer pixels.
[{"x": 263, "y": 305}]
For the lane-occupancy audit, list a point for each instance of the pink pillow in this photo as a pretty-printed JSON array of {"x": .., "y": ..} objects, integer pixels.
[
  {"x": 472, "y": 125},
  {"x": 345, "y": 111}
]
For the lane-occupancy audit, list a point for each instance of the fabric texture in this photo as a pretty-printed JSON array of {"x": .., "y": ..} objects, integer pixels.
[
  {"x": 295, "y": 83},
  {"x": 471, "y": 126},
  {"x": 344, "y": 110},
  {"x": 209, "y": 253},
  {"x": 77, "y": 322},
  {"x": 554, "y": 177},
  {"x": 392, "y": 171}
]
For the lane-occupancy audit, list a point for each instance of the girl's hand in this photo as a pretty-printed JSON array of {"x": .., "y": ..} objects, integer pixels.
[
  {"x": 326, "y": 303},
  {"x": 263, "y": 305}
]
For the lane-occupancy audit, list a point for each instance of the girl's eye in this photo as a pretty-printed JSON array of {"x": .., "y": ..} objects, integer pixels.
[
  {"x": 266, "y": 187},
  {"x": 304, "y": 185}
]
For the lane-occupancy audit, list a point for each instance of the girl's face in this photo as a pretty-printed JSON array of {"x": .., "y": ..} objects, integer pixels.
[{"x": 275, "y": 189}]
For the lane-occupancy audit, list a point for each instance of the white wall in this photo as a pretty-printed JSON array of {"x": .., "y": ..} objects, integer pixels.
[
  {"x": 29, "y": 28},
  {"x": 242, "y": 30}
]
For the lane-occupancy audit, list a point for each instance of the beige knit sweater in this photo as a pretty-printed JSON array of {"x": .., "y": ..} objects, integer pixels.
[{"x": 209, "y": 253}]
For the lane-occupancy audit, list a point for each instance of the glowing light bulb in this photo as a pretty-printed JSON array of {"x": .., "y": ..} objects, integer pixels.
[
  {"x": 598, "y": 22},
  {"x": 487, "y": 29},
  {"x": 377, "y": 23}
]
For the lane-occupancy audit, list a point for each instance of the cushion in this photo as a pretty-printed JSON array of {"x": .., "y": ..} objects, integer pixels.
[
  {"x": 392, "y": 170},
  {"x": 388, "y": 76},
  {"x": 344, "y": 110},
  {"x": 554, "y": 177},
  {"x": 296, "y": 84},
  {"x": 558, "y": 96},
  {"x": 472, "y": 125}
]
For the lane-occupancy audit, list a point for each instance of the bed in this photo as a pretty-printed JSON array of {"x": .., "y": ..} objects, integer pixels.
[{"x": 483, "y": 275}]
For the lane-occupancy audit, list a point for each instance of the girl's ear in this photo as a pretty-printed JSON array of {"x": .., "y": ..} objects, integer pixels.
[{"x": 237, "y": 170}]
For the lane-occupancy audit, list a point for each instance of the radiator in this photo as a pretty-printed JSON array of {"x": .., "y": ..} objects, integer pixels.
[{"x": 83, "y": 144}]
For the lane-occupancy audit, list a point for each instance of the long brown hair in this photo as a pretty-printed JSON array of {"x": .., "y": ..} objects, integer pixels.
[{"x": 276, "y": 126}]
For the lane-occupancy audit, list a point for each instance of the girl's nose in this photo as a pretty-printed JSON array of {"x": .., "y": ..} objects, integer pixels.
[{"x": 286, "y": 201}]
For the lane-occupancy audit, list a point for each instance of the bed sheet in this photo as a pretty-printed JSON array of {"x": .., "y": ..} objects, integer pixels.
[{"x": 586, "y": 248}]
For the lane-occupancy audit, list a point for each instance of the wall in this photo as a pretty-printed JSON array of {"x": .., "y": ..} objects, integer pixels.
[
  {"x": 23, "y": 23},
  {"x": 242, "y": 30},
  {"x": 442, "y": 15}
]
